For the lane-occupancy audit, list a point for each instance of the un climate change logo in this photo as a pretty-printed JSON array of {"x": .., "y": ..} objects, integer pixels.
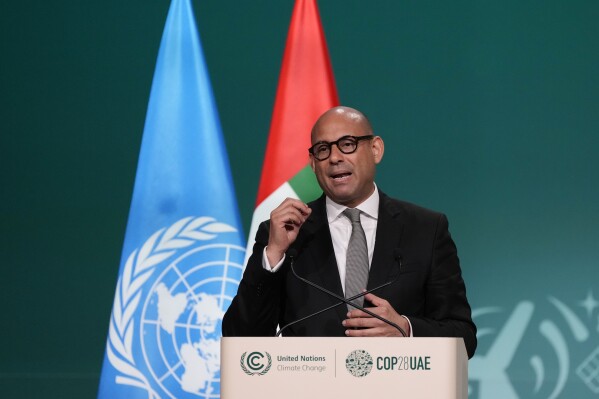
[
  {"x": 256, "y": 363},
  {"x": 359, "y": 363},
  {"x": 166, "y": 339}
]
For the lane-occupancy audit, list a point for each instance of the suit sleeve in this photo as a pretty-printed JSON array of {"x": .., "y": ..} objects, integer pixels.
[
  {"x": 255, "y": 309},
  {"x": 446, "y": 310}
]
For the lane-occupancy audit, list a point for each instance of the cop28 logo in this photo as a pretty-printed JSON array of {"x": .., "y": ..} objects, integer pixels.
[
  {"x": 256, "y": 363},
  {"x": 359, "y": 363}
]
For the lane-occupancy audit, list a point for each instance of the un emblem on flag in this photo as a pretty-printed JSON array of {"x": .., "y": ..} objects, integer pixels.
[{"x": 171, "y": 298}]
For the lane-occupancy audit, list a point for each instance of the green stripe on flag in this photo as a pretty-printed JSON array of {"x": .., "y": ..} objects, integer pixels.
[{"x": 305, "y": 185}]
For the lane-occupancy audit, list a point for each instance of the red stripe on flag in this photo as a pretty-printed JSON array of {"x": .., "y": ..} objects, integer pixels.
[{"x": 306, "y": 90}]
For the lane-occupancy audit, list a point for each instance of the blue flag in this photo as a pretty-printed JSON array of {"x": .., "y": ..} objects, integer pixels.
[{"x": 184, "y": 249}]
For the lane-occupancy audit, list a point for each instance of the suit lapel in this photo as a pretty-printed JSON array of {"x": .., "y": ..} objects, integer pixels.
[
  {"x": 388, "y": 237},
  {"x": 321, "y": 265}
]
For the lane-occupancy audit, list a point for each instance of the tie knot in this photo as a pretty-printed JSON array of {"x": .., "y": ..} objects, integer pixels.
[{"x": 353, "y": 214}]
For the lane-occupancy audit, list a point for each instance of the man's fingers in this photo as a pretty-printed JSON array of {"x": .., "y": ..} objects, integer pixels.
[
  {"x": 290, "y": 217},
  {"x": 375, "y": 300},
  {"x": 285, "y": 222},
  {"x": 290, "y": 213},
  {"x": 356, "y": 313},
  {"x": 362, "y": 322},
  {"x": 296, "y": 204},
  {"x": 383, "y": 309}
]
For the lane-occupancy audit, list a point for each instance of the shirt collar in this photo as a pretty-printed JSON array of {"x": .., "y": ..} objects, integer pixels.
[{"x": 369, "y": 207}]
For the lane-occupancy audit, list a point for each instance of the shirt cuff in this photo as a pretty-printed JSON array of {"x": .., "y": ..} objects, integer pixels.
[
  {"x": 411, "y": 329},
  {"x": 266, "y": 265}
]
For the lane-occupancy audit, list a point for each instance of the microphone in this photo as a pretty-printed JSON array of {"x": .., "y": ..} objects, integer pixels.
[
  {"x": 292, "y": 253},
  {"x": 397, "y": 257}
]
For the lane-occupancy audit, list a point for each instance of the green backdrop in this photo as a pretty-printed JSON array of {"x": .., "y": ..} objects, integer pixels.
[{"x": 489, "y": 111}]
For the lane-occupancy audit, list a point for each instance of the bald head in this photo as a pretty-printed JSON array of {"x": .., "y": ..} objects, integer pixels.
[{"x": 347, "y": 114}]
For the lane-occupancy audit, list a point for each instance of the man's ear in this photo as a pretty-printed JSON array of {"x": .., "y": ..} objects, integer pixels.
[
  {"x": 312, "y": 163},
  {"x": 378, "y": 149}
]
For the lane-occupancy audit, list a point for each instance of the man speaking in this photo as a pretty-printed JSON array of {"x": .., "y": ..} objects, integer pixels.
[{"x": 352, "y": 239}]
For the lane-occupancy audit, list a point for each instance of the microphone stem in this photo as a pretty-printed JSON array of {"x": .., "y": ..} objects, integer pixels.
[
  {"x": 331, "y": 307},
  {"x": 347, "y": 301}
]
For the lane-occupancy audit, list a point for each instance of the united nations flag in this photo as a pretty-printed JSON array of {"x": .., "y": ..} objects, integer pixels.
[{"x": 183, "y": 251}]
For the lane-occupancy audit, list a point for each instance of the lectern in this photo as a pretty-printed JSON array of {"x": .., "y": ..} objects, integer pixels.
[{"x": 317, "y": 367}]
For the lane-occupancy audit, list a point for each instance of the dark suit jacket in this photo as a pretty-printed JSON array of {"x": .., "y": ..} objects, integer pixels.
[{"x": 429, "y": 291}]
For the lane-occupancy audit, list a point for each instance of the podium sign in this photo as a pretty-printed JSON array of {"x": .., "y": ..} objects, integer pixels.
[{"x": 323, "y": 367}]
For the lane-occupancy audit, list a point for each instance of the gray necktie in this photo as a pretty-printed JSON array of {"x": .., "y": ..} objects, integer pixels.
[{"x": 356, "y": 269}]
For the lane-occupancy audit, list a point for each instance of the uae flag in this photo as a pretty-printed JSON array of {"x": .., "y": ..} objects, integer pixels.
[{"x": 306, "y": 90}]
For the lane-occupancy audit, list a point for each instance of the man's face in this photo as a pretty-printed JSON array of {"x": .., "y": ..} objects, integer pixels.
[{"x": 347, "y": 179}]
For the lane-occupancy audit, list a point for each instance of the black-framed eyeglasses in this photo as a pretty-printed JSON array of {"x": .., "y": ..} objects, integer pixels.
[{"x": 346, "y": 144}]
